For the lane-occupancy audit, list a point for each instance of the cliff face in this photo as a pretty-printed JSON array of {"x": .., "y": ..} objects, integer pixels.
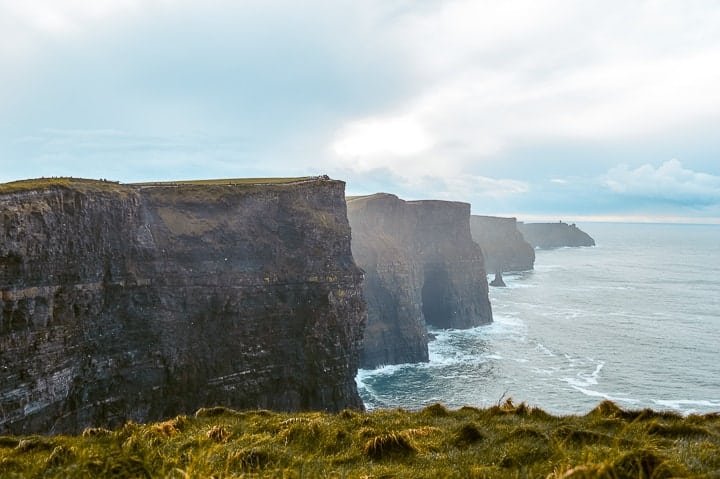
[
  {"x": 421, "y": 267},
  {"x": 554, "y": 235},
  {"x": 141, "y": 302},
  {"x": 503, "y": 245}
]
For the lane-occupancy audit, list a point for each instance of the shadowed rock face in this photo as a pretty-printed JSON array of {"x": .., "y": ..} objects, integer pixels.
[
  {"x": 138, "y": 303},
  {"x": 503, "y": 245},
  {"x": 554, "y": 235},
  {"x": 421, "y": 266}
]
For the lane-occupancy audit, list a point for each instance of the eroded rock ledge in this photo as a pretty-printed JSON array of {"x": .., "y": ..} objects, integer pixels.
[
  {"x": 138, "y": 302},
  {"x": 421, "y": 267}
]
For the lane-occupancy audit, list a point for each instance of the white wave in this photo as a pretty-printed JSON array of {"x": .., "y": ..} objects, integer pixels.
[
  {"x": 451, "y": 356},
  {"x": 598, "y": 394},
  {"x": 385, "y": 370},
  {"x": 583, "y": 380},
  {"x": 540, "y": 347},
  {"x": 504, "y": 324},
  {"x": 682, "y": 404},
  {"x": 363, "y": 387},
  {"x": 518, "y": 285},
  {"x": 548, "y": 267},
  {"x": 544, "y": 372}
]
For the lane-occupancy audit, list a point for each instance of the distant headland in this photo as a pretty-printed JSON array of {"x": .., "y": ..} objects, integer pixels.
[{"x": 554, "y": 235}]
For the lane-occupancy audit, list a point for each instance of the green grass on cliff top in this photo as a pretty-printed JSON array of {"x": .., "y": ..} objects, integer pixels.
[
  {"x": 230, "y": 181},
  {"x": 504, "y": 441},
  {"x": 86, "y": 185},
  {"x": 80, "y": 184}
]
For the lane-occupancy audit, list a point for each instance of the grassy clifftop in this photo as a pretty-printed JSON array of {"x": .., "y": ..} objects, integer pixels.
[
  {"x": 502, "y": 441},
  {"x": 80, "y": 184},
  {"x": 230, "y": 181},
  {"x": 89, "y": 185}
]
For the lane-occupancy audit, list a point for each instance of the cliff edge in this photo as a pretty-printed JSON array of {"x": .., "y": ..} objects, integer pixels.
[
  {"x": 502, "y": 244},
  {"x": 421, "y": 267},
  {"x": 139, "y": 302},
  {"x": 554, "y": 235}
]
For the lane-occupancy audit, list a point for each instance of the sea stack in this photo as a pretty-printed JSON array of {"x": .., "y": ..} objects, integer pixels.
[
  {"x": 498, "y": 280},
  {"x": 139, "y": 302}
]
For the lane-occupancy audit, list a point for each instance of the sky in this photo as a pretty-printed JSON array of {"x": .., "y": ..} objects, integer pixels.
[{"x": 539, "y": 109}]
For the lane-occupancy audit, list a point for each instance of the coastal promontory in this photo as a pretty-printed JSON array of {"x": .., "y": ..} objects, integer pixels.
[
  {"x": 502, "y": 244},
  {"x": 139, "y": 302},
  {"x": 421, "y": 268},
  {"x": 554, "y": 235}
]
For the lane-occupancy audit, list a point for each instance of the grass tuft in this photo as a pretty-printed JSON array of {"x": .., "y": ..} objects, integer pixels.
[
  {"x": 59, "y": 456},
  {"x": 35, "y": 443},
  {"x": 607, "y": 409},
  {"x": 677, "y": 430},
  {"x": 467, "y": 435},
  {"x": 96, "y": 432},
  {"x": 505, "y": 441},
  {"x": 580, "y": 436},
  {"x": 215, "y": 412},
  {"x": 642, "y": 463},
  {"x": 389, "y": 445},
  {"x": 218, "y": 433},
  {"x": 250, "y": 460},
  {"x": 436, "y": 410},
  {"x": 8, "y": 441},
  {"x": 171, "y": 427}
]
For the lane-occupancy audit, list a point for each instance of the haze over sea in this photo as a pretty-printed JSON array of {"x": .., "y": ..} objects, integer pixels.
[{"x": 635, "y": 319}]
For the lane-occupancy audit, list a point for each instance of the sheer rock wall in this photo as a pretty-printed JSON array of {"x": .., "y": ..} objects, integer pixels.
[
  {"x": 421, "y": 267},
  {"x": 132, "y": 302},
  {"x": 503, "y": 245}
]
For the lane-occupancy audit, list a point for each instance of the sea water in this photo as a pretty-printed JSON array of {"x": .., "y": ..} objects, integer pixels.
[{"x": 635, "y": 319}]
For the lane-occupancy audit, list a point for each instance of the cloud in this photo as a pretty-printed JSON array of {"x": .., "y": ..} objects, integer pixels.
[
  {"x": 670, "y": 182},
  {"x": 512, "y": 74},
  {"x": 62, "y": 16},
  {"x": 276, "y": 74},
  {"x": 490, "y": 102},
  {"x": 388, "y": 136}
]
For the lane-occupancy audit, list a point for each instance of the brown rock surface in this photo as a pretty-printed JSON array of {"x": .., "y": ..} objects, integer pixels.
[{"x": 138, "y": 302}]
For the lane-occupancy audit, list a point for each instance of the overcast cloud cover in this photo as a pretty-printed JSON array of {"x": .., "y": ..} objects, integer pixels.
[{"x": 536, "y": 108}]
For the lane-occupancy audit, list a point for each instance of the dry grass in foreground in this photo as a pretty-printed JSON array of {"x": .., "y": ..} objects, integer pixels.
[{"x": 501, "y": 441}]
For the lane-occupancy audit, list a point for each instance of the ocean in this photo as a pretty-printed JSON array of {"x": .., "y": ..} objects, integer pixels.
[{"x": 635, "y": 319}]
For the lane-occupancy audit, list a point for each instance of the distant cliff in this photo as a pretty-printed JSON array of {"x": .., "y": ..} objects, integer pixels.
[
  {"x": 554, "y": 235},
  {"x": 503, "y": 245},
  {"x": 138, "y": 302},
  {"x": 421, "y": 266}
]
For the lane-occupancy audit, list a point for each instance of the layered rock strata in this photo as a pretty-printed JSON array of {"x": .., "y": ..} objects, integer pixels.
[
  {"x": 503, "y": 245},
  {"x": 138, "y": 302},
  {"x": 421, "y": 267},
  {"x": 554, "y": 235}
]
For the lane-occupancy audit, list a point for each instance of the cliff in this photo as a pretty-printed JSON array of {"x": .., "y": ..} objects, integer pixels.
[
  {"x": 503, "y": 245},
  {"x": 138, "y": 302},
  {"x": 421, "y": 267},
  {"x": 554, "y": 235}
]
